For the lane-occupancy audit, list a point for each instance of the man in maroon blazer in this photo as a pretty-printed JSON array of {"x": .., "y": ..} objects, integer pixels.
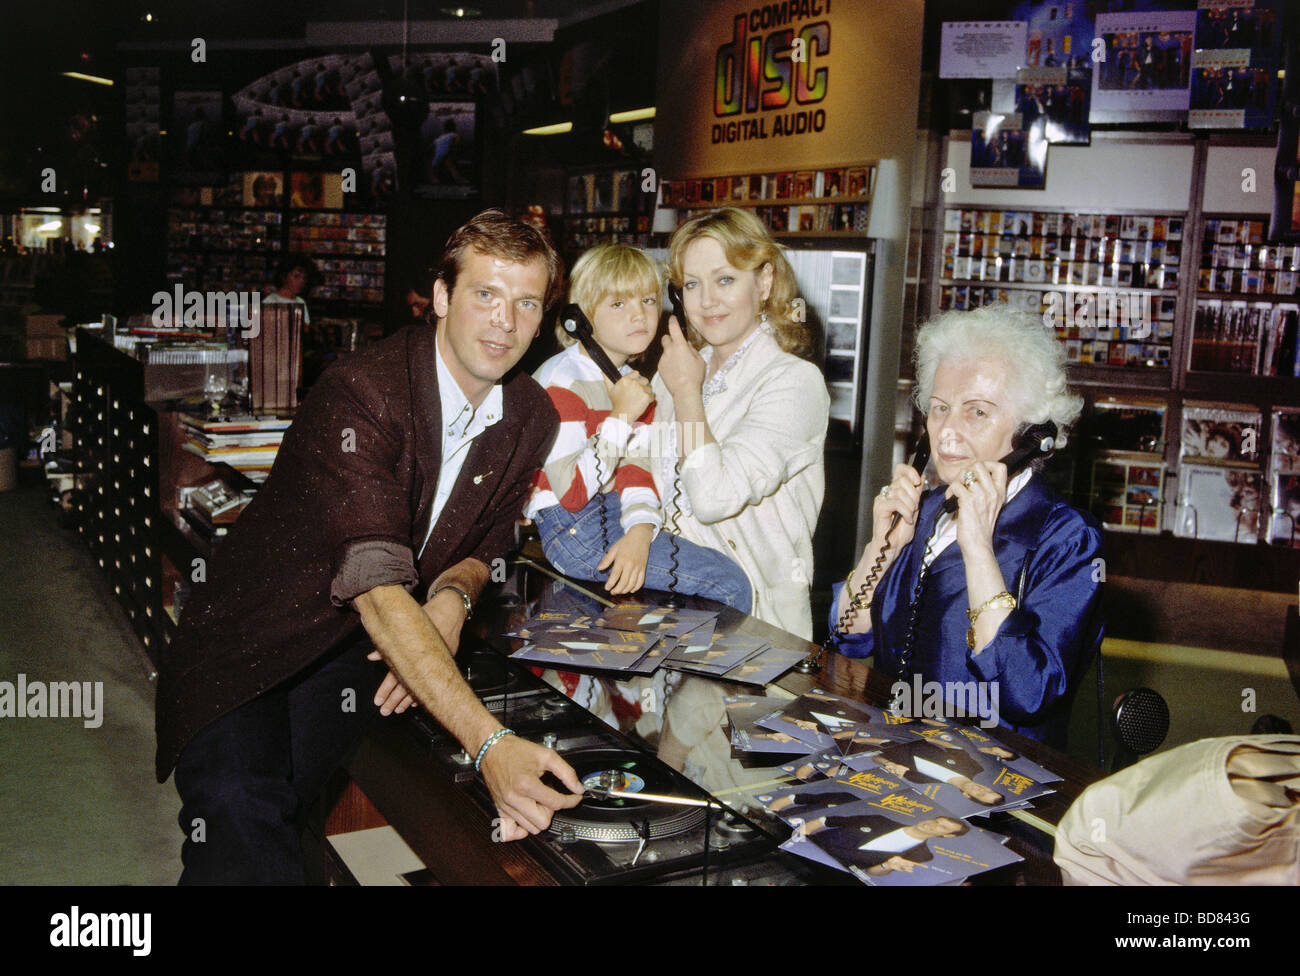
[{"x": 395, "y": 488}]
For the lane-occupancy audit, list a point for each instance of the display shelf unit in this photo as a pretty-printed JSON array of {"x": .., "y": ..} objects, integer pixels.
[
  {"x": 824, "y": 203},
  {"x": 1246, "y": 318},
  {"x": 223, "y": 248},
  {"x": 131, "y": 467},
  {"x": 348, "y": 249},
  {"x": 1108, "y": 281},
  {"x": 604, "y": 205},
  {"x": 1195, "y": 178},
  {"x": 238, "y": 248},
  {"x": 116, "y": 511}
]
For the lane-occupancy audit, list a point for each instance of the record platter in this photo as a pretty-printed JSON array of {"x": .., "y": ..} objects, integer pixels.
[
  {"x": 622, "y": 819},
  {"x": 613, "y": 836}
]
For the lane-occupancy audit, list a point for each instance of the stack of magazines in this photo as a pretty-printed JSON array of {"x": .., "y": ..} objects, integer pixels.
[{"x": 248, "y": 444}]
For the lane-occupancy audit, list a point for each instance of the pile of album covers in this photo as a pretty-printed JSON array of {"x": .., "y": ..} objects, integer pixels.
[
  {"x": 632, "y": 639},
  {"x": 880, "y": 795}
]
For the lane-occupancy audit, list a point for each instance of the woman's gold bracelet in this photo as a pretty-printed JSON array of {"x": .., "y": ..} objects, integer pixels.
[{"x": 859, "y": 601}]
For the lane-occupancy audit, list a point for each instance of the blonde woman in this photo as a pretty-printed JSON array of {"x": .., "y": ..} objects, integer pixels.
[{"x": 743, "y": 418}]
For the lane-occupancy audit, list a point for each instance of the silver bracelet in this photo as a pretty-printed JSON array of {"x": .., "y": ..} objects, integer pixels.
[{"x": 491, "y": 741}]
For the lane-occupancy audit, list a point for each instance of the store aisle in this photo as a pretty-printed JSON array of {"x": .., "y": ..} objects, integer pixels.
[{"x": 78, "y": 804}]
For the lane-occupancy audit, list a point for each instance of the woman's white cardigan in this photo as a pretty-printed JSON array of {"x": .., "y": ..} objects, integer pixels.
[{"x": 755, "y": 494}]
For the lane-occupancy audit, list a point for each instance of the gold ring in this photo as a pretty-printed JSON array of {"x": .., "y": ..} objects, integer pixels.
[{"x": 968, "y": 479}]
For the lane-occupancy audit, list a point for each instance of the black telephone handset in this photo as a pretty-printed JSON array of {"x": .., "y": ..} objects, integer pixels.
[
  {"x": 1033, "y": 442},
  {"x": 675, "y": 299},
  {"x": 921, "y": 456},
  {"x": 919, "y": 459},
  {"x": 576, "y": 324}
]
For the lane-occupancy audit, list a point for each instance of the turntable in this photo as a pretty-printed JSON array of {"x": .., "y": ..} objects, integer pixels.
[
  {"x": 626, "y": 818},
  {"x": 641, "y": 820}
]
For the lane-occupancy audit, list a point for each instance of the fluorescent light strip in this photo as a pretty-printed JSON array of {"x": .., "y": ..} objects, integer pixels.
[
  {"x": 91, "y": 78},
  {"x": 635, "y": 115},
  {"x": 550, "y": 130}
]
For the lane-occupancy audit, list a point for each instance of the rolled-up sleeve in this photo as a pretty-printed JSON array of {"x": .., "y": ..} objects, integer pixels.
[
  {"x": 368, "y": 563},
  {"x": 782, "y": 433},
  {"x": 1040, "y": 646}
]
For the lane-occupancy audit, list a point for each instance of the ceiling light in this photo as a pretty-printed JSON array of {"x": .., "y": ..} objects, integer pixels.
[
  {"x": 92, "y": 78},
  {"x": 635, "y": 115},
  {"x": 550, "y": 130}
]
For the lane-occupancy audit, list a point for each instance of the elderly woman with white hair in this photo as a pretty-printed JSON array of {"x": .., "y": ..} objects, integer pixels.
[{"x": 1006, "y": 588}]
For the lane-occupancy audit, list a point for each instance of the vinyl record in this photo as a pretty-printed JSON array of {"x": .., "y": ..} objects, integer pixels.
[
  {"x": 623, "y": 819},
  {"x": 621, "y": 771}
]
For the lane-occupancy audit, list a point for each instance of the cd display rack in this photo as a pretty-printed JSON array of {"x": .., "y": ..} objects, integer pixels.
[
  {"x": 804, "y": 203},
  {"x": 1106, "y": 282}
]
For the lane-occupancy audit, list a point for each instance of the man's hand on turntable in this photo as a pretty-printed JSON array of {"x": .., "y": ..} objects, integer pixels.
[
  {"x": 512, "y": 769},
  {"x": 446, "y": 611}
]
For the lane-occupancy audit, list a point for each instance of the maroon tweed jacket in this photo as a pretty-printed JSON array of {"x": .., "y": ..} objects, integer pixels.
[{"x": 344, "y": 510}]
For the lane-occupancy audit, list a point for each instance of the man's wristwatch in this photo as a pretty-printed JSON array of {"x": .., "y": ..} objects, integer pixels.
[{"x": 464, "y": 597}]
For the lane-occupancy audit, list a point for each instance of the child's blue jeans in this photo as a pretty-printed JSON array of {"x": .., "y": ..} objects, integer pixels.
[{"x": 574, "y": 545}]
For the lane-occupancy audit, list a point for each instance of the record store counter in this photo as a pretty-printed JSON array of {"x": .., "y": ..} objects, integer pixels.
[{"x": 410, "y": 774}]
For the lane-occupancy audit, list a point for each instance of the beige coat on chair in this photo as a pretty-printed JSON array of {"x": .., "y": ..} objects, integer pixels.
[{"x": 1215, "y": 812}]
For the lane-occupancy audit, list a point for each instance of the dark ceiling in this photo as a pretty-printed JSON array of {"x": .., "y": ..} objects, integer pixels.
[
  {"x": 35, "y": 30},
  {"x": 41, "y": 39}
]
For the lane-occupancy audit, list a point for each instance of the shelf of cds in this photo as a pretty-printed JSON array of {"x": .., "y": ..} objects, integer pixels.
[
  {"x": 348, "y": 249},
  {"x": 805, "y": 203},
  {"x": 1247, "y": 315},
  {"x": 220, "y": 248},
  {"x": 605, "y": 206},
  {"x": 1107, "y": 282},
  {"x": 238, "y": 249}
]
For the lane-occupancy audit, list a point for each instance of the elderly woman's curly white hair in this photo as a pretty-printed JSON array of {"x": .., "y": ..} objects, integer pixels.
[{"x": 1036, "y": 360}]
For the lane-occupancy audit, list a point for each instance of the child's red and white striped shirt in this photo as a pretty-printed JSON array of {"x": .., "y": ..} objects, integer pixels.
[{"x": 587, "y": 432}]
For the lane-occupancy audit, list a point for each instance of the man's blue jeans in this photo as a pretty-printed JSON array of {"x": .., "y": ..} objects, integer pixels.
[
  {"x": 574, "y": 544},
  {"x": 247, "y": 779}
]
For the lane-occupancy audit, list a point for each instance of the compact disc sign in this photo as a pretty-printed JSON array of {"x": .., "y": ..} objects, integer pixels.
[
  {"x": 775, "y": 61},
  {"x": 797, "y": 84}
]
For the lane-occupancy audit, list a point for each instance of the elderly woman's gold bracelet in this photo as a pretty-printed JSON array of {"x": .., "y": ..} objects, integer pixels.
[
  {"x": 858, "y": 601},
  {"x": 1003, "y": 599}
]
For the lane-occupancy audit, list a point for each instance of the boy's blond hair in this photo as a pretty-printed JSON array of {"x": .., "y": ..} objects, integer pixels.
[{"x": 607, "y": 271}]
